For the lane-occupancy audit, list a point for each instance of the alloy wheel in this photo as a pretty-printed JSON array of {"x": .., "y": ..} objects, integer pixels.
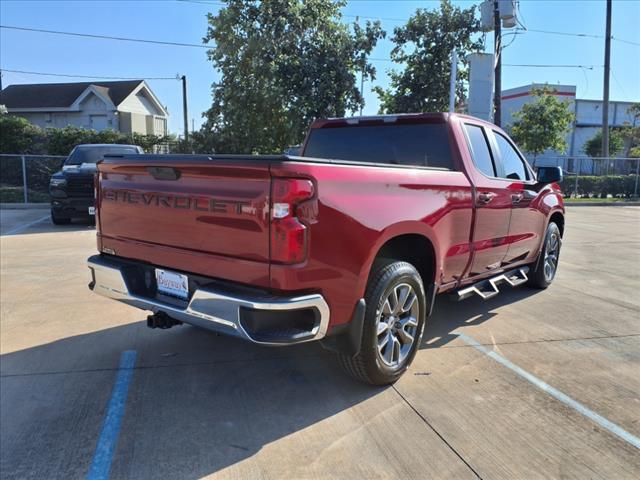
[
  {"x": 397, "y": 324},
  {"x": 551, "y": 253}
]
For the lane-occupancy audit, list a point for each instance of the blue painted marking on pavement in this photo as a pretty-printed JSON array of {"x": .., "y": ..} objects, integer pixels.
[
  {"x": 106, "y": 447},
  {"x": 558, "y": 395},
  {"x": 21, "y": 228}
]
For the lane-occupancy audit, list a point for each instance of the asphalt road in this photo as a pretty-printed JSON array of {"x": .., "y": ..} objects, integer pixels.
[{"x": 530, "y": 384}]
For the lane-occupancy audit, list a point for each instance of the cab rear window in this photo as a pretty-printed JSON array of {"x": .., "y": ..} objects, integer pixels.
[
  {"x": 423, "y": 145},
  {"x": 93, "y": 154}
]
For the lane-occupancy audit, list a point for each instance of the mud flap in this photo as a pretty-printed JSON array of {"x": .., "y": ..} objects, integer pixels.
[{"x": 346, "y": 339}]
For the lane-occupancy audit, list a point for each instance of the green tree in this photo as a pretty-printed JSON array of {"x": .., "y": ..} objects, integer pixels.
[
  {"x": 17, "y": 135},
  {"x": 283, "y": 64},
  {"x": 60, "y": 141},
  {"x": 631, "y": 132},
  {"x": 593, "y": 146},
  {"x": 424, "y": 47},
  {"x": 148, "y": 142},
  {"x": 542, "y": 124},
  {"x": 109, "y": 136}
]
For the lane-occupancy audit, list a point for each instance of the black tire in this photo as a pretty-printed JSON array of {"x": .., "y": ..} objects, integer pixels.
[
  {"x": 59, "y": 220},
  {"x": 539, "y": 277},
  {"x": 368, "y": 365}
]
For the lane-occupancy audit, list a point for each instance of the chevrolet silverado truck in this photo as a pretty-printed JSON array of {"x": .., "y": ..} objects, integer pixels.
[
  {"x": 71, "y": 188},
  {"x": 348, "y": 243}
]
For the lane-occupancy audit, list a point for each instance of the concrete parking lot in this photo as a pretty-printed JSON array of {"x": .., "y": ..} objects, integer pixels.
[{"x": 506, "y": 388}]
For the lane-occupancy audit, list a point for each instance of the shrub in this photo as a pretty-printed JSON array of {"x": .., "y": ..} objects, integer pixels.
[
  {"x": 17, "y": 135},
  {"x": 590, "y": 185}
]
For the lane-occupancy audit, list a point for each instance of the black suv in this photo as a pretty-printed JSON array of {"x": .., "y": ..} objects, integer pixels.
[{"x": 71, "y": 188}]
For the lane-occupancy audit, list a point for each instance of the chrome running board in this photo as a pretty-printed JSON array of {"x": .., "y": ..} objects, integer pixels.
[{"x": 488, "y": 288}]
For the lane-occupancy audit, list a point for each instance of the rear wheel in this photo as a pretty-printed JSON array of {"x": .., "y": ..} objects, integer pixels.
[
  {"x": 544, "y": 270},
  {"x": 393, "y": 324},
  {"x": 59, "y": 220}
]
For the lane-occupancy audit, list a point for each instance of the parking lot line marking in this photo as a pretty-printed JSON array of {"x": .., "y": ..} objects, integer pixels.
[
  {"x": 557, "y": 394},
  {"x": 106, "y": 447},
  {"x": 21, "y": 228}
]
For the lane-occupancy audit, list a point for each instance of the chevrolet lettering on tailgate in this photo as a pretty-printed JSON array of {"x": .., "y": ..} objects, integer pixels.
[{"x": 176, "y": 201}]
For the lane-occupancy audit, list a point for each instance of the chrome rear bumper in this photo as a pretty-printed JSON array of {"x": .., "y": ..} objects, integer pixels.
[{"x": 215, "y": 310}]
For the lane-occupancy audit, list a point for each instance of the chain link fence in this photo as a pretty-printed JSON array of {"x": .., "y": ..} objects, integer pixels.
[
  {"x": 598, "y": 177},
  {"x": 25, "y": 178}
]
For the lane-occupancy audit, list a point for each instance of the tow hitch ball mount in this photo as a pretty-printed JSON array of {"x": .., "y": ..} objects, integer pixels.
[{"x": 161, "y": 320}]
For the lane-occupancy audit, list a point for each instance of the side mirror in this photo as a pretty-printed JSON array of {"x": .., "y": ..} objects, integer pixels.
[{"x": 548, "y": 175}]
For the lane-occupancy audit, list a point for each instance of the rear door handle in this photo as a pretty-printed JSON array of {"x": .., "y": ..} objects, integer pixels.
[
  {"x": 517, "y": 197},
  {"x": 485, "y": 197}
]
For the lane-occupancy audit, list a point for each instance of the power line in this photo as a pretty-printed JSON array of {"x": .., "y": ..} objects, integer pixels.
[
  {"x": 195, "y": 45},
  {"x": 589, "y": 67},
  {"x": 573, "y": 34},
  {"x": 625, "y": 41},
  {"x": 566, "y": 34},
  {"x": 86, "y": 76},
  {"x": 619, "y": 84},
  {"x": 385, "y": 19},
  {"x": 202, "y": 2},
  {"x": 367, "y": 17},
  {"x": 105, "y": 37},
  {"x": 522, "y": 28}
]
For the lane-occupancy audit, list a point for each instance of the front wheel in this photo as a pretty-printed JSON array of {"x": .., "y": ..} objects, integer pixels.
[
  {"x": 544, "y": 270},
  {"x": 59, "y": 220},
  {"x": 393, "y": 324}
]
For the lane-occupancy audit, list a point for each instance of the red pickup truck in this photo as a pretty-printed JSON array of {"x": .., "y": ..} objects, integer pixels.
[{"x": 348, "y": 243}]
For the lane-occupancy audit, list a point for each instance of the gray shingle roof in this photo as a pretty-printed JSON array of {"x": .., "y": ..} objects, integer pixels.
[{"x": 61, "y": 95}]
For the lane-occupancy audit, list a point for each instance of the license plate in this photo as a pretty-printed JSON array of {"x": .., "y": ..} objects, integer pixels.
[
  {"x": 171, "y": 283},
  {"x": 92, "y": 210}
]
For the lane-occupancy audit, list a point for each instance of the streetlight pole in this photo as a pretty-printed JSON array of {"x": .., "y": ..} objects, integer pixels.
[
  {"x": 497, "y": 40},
  {"x": 605, "y": 102},
  {"x": 452, "y": 81},
  {"x": 184, "y": 107}
]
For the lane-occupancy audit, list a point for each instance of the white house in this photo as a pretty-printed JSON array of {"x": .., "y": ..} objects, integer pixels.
[
  {"x": 588, "y": 120},
  {"x": 126, "y": 106}
]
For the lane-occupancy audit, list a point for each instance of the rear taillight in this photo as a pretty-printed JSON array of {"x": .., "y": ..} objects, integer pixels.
[
  {"x": 288, "y": 234},
  {"x": 96, "y": 198}
]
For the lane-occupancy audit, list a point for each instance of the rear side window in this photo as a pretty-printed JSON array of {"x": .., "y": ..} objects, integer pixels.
[
  {"x": 424, "y": 145},
  {"x": 480, "y": 150},
  {"x": 512, "y": 164}
]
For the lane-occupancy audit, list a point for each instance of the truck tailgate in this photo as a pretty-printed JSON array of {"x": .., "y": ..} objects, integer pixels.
[{"x": 193, "y": 207}]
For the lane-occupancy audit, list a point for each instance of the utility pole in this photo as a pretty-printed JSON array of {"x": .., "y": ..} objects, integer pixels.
[
  {"x": 497, "y": 40},
  {"x": 184, "y": 107},
  {"x": 605, "y": 102}
]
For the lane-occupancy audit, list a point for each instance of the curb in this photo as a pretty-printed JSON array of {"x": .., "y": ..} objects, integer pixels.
[
  {"x": 602, "y": 204},
  {"x": 23, "y": 206}
]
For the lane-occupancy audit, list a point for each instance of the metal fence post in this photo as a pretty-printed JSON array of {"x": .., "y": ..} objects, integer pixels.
[
  {"x": 24, "y": 179},
  {"x": 575, "y": 188},
  {"x": 635, "y": 189}
]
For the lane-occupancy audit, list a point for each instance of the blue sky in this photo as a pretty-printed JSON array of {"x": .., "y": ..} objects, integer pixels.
[{"x": 178, "y": 21}]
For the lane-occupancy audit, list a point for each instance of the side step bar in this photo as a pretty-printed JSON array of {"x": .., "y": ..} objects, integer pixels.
[{"x": 488, "y": 288}]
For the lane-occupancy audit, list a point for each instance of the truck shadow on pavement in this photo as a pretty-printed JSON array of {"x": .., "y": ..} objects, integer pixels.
[
  {"x": 449, "y": 315},
  {"x": 198, "y": 402}
]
